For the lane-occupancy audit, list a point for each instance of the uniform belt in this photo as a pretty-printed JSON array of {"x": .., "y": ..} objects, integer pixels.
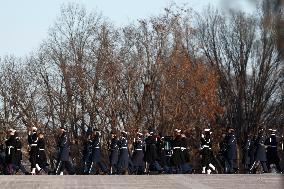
[
  {"x": 182, "y": 148},
  {"x": 123, "y": 148},
  {"x": 33, "y": 145},
  {"x": 19, "y": 149},
  {"x": 41, "y": 149},
  {"x": 176, "y": 148},
  {"x": 97, "y": 147},
  {"x": 9, "y": 149},
  {"x": 139, "y": 149},
  {"x": 205, "y": 146}
]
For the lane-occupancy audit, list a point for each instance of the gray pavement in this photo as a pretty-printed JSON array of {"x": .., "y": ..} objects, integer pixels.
[{"x": 264, "y": 181}]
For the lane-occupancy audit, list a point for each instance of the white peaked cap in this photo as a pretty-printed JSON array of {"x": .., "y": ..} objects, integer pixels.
[
  {"x": 12, "y": 130},
  {"x": 34, "y": 128},
  {"x": 139, "y": 133},
  {"x": 178, "y": 130},
  {"x": 206, "y": 130},
  {"x": 272, "y": 130}
]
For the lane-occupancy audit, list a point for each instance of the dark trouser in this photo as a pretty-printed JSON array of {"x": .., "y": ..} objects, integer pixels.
[
  {"x": 229, "y": 166},
  {"x": 33, "y": 157},
  {"x": 10, "y": 169},
  {"x": 62, "y": 165},
  {"x": 247, "y": 168},
  {"x": 20, "y": 166},
  {"x": 155, "y": 166},
  {"x": 86, "y": 167},
  {"x": 113, "y": 169},
  {"x": 178, "y": 169},
  {"x": 186, "y": 168}
]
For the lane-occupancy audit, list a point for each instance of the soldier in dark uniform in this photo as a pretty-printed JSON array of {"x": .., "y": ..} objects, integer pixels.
[
  {"x": 96, "y": 154},
  {"x": 18, "y": 155},
  {"x": 222, "y": 152},
  {"x": 271, "y": 151},
  {"x": 113, "y": 152},
  {"x": 63, "y": 161},
  {"x": 248, "y": 153},
  {"x": 151, "y": 155},
  {"x": 166, "y": 154},
  {"x": 185, "y": 167},
  {"x": 10, "y": 152},
  {"x": 123, "y": 158},
  {"x": 41, "y": 158},
  {"x": 231, "y": 152},
  {"x": 260, "y": 154},
  {"x": 206, "y": 152},
  {"x": 32, "y": 140},
  {"x": 176, "y": 159},
  {"x": 138, "y": 154},
  {"x": 87, "y": 153}
]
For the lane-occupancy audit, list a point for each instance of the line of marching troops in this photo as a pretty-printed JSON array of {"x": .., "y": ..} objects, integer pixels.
[{"x": 150, "y": 153}]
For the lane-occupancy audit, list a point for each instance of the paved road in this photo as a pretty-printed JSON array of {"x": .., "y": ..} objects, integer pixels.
[{"x": 264, "y": 181}]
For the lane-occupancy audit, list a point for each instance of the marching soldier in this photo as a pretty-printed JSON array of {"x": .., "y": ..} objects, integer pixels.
[
  {"x": 63, "y": 161},
  {"x": 41, "y": 157},
  {"x": 138, "y": 154},
  {"x": 248, "y": 153},
  {"x": 206, "y": 152},
  {"x": 96, "y": 154},
  {"x": 271, "y": 151},
  {"x": 87, "y": 153},
  {"x": 18, "y": 155},
  {"x": 231, "y": 151},
  {"x": 32, "y": 140},
  {"x": 151, "y": 155},
  {"x": 185, "y": 167},
  {"x": 123, "y": 158},
  {"x": 222, "y": 151},
  {"x": 113, "y": 153},
  {"x": 166, "y": 154},
  {"x": 10, "y": 152},
  {"x": 260, "y": 154},
  {"x": 177, "y": 153}
]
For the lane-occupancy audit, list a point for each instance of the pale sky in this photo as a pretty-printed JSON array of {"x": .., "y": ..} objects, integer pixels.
[{"x": 25, "y": 23}]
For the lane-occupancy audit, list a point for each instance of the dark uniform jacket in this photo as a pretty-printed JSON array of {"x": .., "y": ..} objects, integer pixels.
[
  {"x": 150, "y": 154},
  {"x": 206, "y": 150},
  {"x": 248, "y": 155},
  {"x": 32, "y": 140},
  {"x": 18, "y": 151},
  {"x": 10, "y": 150},
  {"x": 113, "y": 151},
  {"x": 231, "y": 151},
  {"x": 64, "y": 147},
  {"x": 41, "y": 159},
  {"x": 96, "y": 149},
  {"x": 184, "y": 150},
  {"x": 177, "y": 153},
  {"x": 272, "y": 154},
  {"x": 87, "y": 152},
  {"x": 138, "y": 154},
  {"x": 260, "y": 154},
  {"x": 123, "y": 158}
]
